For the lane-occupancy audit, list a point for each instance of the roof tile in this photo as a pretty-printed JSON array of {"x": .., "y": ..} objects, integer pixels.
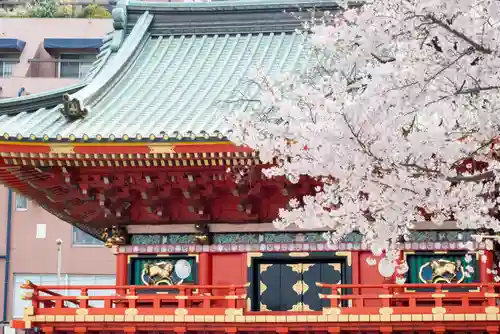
[{"x": 176, "y": 87}]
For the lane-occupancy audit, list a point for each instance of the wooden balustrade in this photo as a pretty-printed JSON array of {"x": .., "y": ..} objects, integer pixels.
[
  {"x": 147, "y": 299},
  {"x": 213, "y": 300},
  {"x": 412, "y": 298}
]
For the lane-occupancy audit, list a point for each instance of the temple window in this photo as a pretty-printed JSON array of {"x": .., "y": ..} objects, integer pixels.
[
  {"x": 81, "y": 238},
  {"x": 21, "y": 203},
  {"x": 7, "y": 62},
  {"x": 75, "y": 65}
]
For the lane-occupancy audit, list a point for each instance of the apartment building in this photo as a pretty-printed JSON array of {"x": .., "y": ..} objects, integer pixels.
[{"x": 38, "y": 55}]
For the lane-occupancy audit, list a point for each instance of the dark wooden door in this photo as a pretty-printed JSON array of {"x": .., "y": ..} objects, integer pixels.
[
  {"x": 277, "y": 282},
  {"x": 330, "y": 273},
  {"x": 292, "y": 286}
]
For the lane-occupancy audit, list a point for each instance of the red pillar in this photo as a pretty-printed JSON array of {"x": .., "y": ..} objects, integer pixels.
[
  {"x": 398, "y": 290},
  {"x": 205, "y": 274},
  {"x": 484, "y": 276},
  {"x": 121, "y": 270}
]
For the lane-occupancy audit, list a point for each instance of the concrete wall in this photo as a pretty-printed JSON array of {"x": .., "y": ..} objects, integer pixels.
[
  {"x": 33, "y": 32},
  {"x": 2, "y": 285},
  {"x": 30, "y": 255},
  {"x": 75, "y": 259}
]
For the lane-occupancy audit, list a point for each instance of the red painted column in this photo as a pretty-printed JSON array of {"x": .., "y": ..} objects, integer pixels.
[
  {"x": 484, "y": 276},
  {"x": 121, "y": 270},
  {"x": 204, "y": 269},
  {"x": 398, "y": 290},
  {"x": 355, "y": 272}
]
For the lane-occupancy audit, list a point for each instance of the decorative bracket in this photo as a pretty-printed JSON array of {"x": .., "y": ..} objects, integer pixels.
[{"x": 114, "y": 236}]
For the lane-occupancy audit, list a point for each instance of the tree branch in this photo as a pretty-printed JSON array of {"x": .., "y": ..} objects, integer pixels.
[
  {"x": 363, "y": 146},
  {"x": 457, "y": 33},
  {"x": 473, "y": 178},
  {"x": 476, "y": 90}
]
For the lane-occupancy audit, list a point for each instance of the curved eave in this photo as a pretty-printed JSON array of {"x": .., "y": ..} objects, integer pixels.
[
  {"x": 110, "y": 73},
  {"x": 138, "y": 154},
  {"x": 12, "y": 178},
  {"x": 123, "y": 140},
  {"x": 36, "y": 102},
  {"x": 25, "y": 149}
]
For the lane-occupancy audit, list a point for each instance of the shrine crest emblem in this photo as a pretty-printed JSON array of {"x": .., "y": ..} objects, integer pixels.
[
  {"x": 165, "y": 272},
  {"x": 441, "y": 271}
]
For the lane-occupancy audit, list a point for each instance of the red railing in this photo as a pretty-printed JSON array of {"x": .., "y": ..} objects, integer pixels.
[
  {"x": 195, "y": 298},
  {"x": 209, "y": 299},
  {"x": 470, "y": 298}
]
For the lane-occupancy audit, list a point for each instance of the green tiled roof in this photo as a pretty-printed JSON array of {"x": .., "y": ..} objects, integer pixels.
[{"x": 167, "y": 86}]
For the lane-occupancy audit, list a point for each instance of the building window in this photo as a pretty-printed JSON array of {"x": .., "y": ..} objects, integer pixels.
[
  {"x": 81, "y": 238},
  {"x": 7, "y": 63},
  {"x": 50, "y": 279},
  {"x": 21, "y": 203},
  {"x": 6, "y": 68},
  {"x": 75, "y": 65}
]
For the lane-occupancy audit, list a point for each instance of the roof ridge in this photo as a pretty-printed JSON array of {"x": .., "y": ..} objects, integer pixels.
[
  {"x": 231, "y": 4},
  {"x": 227, "y": 17},
  {"x": 78, "y": 105},
  {"x": 104, "y": 52}
]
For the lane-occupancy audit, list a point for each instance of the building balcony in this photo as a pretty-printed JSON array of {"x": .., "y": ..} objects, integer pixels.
[
  {"x": 10, "y": 86},
  {"x": 193, "y": 308}
]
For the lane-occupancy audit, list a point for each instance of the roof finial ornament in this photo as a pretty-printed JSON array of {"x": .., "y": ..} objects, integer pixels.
[
  {"x": 119, "y": 15},
  {"x": 73, "y": 109}
]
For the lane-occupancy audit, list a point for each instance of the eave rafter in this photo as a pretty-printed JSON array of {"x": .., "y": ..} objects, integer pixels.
[
  {"x": 120, "y": 155},
  {"x": 106, "y": 196},
  {"x": 21, "y": 180},
  {"x": 154, "y": 184}
]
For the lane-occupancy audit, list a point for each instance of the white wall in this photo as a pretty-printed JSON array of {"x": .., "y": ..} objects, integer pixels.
[
  {"x": 51, "y": 279},
  {"x": 7, "y": 330}
]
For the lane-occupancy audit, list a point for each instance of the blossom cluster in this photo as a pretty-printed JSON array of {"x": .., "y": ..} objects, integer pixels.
[{"x": 398, "y": 95}]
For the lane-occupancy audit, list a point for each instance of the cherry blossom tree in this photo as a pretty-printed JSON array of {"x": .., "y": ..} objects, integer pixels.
[{"x": 397, "y": 114}]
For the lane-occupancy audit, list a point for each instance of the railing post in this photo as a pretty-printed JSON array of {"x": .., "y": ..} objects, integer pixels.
[
  {"x": 84, "y": 298},
  {"x": 412, "y": 300},
  {"x": 181, "y": 297},
  {"x": 438, "y": 296},
  {"x": 491, "y": 296},
  {"x": 132, "y": 298},
  {"x": 189, "y": 293},
  {"x": 386, "y": 296},
  {"x": 206, "y": 301},
  {"x": 34, "y": 299},
  {"x": 231, "y": 297},
  {"x": 108, "y": 303},
  {"x": 59, "y": 304},
  {"x": 334, "y": 302},
  {"x": 157, "y": 301}
]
